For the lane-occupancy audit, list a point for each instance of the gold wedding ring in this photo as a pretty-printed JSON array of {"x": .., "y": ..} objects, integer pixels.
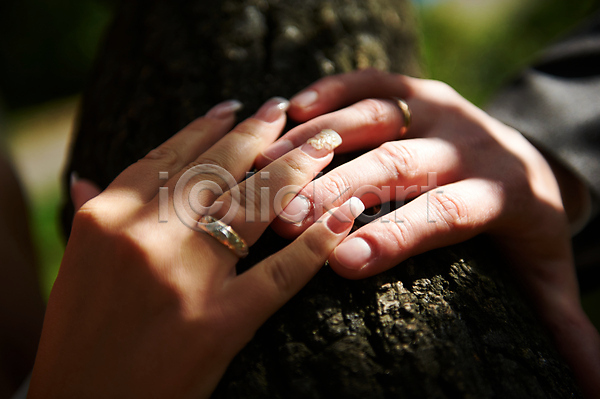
[
  {"x": 405, "y": 112},
  {"x": 225, "y": 234}
]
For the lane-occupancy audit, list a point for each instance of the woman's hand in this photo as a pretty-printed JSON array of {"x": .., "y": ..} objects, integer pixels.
[
  {"x": 148, "y": 306},
  {"x": 470, "y": 174}
]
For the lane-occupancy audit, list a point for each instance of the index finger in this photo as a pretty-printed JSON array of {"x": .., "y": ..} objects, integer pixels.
[{"x": 334, "y": 92}]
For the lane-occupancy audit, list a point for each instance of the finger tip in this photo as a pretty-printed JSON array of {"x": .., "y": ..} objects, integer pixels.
[
  {"x": 353, "y": 256},
  {"x": 343, "y": 271},
  {"x": 356, "y": 205}
]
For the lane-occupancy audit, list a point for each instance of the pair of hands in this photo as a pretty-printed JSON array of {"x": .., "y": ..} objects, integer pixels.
[{"x": 135, "y": 297}]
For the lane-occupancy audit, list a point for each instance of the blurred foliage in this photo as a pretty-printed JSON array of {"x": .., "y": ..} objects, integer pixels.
[
  {"x": 477, "y": 45},
  {"x": 48, "y": 238},
  {"x": 47, "y": 47}
]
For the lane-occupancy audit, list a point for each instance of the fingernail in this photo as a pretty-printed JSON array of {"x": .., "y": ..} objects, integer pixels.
[
  {"x": 343, "y": 217},
  {"x": 278, "y": 149},
  {"x": 322, "y": 144},
  {"x": 224, "y": 110},
  {"x": 273, "y": 109},
  {"x": 74, "y": 178},
  {"x": 305, "y": 99},
  {"x": 296, "y": 211},
  {"x": 353, "y": 254}
]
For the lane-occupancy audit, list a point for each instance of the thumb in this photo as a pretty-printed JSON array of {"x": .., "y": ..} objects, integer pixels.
[{"x": 82, "y": 190}]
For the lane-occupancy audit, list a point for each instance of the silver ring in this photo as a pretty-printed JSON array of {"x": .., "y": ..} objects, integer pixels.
[
  {"x": 406, "y": 112},
  {"x": 224, "y": 234}
]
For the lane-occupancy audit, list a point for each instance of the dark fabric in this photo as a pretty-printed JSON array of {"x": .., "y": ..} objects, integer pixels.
[{"x": 556, "y": 104}]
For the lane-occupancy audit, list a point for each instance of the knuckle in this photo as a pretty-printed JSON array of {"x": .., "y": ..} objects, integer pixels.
[
  {"x": 398, "y": 159},
  {"x": 287, "y": 278},
  {"x": 374, "y": 112},
  {"x": 106, "y": 228},
  {"x": 165, "y": 154},
  {"x": 441, "y": 88},
  {"x": 234, "y": 204},
  {"x": 334, "y": 188},
  {"x": 203, "y": 161},
  {"x": 244, "y": 203},
  {"x": 451, "y": 208},
  {"x": 87, "y": 218},
  {"x": 282, "y": 275},
  {"x": 248, "y": 195},
  {"x": 398, "y": 234},
  {"x": 250, "y": 129},
  {"x": 295, "y": 166},
  {"x": 220, "y": 161},
  {"x": 97, "y": 215},
  {"x": 444, "y": 94}
]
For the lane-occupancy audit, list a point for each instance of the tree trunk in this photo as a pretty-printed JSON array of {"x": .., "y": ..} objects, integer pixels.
[{"x": 449, "y": 323}]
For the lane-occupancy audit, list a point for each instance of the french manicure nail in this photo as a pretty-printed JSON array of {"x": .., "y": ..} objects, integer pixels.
[
  {"x": 353, "y": 254},
  {"x": 343, "y": 217},
  {"x": 273, "y": 109},
  {"x": 322, "y": 144},
  {"x": 305, "y": 99},
  {"x": 225, "y": 109},
  {"x": 278, "y": 149},
  {"x": 296, "y": 211}
]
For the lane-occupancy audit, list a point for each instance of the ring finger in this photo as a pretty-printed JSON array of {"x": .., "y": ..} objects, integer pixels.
[{"x": 365, "y": 124}]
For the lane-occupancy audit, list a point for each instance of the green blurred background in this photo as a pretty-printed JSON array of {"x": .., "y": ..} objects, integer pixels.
[{"x": 47, "y": 48}]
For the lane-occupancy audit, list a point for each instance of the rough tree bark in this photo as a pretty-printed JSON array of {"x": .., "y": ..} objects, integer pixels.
[{"x": 449, "y": 323}]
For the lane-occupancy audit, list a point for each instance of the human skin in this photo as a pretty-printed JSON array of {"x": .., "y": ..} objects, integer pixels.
[
  {"x": 144, "y": 309},
  {"x": 488, "y": 179}
]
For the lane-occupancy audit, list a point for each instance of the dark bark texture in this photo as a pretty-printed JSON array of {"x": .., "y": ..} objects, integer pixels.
[{"x": 449, "y": 323}]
